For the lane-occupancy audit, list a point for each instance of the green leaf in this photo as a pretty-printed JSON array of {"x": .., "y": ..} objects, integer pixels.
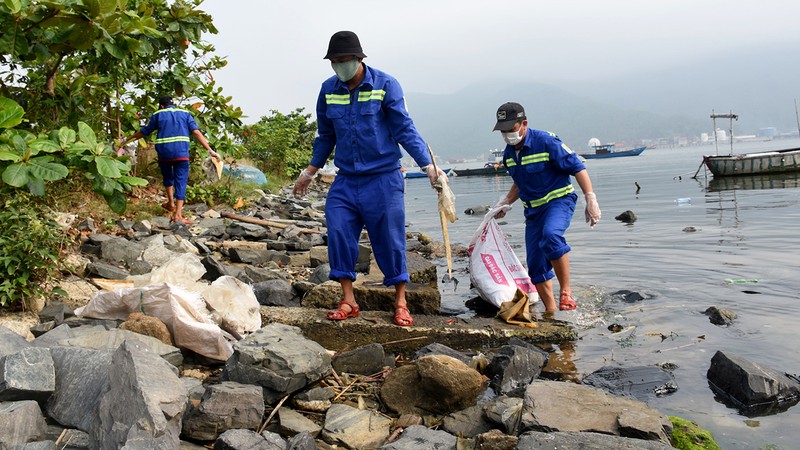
[
  {"x": 42, "y": 167},
  {"x": 8, "y": 156},
  {"x": 36, "y": 186},
  {"x": 16, "y": 175},
  {"x": 107, "y": 6},
  {"x": 132, "y": 181},
  {"x": 93, "y": 6},
  {"x": 113, "y": 50},
  {"x": 14, "y": 5},
  {"x": 10, "y": 113},
  {"x": 19, "y": 144},
  {"x": 106, "y": 167},
  {"x": 66, "y": 136},
  {"x": 87, "y": 135},
  {"x": 117, "y": 202},
  {"x": 44, "y": 145},
  {"x": 104, "y": 186}
]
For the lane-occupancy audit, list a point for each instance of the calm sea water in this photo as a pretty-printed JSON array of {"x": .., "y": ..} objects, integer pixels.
[{"x": 743, "y": 255}]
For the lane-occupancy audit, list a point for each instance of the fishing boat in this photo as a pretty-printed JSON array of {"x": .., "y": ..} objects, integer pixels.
[
  {"x": 495, "y": 166},
  {"x": 609, "y": 151},
  {"x": 421, "y": 174},
  {"x": 757, "y": 163}
]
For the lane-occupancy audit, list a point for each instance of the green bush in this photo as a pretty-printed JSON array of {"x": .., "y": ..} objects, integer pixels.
[{"x": 30, "y": 252}]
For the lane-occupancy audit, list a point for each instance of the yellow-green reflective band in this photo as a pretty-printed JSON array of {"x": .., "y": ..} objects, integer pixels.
[
  {"x": 167, "y": 140},
  {"x": 536, "y": 157},
  {"x": 510, "y": 162},
  {"x": 550, "y": 196},
  {"x": 171, "y": 110},
  {"x": 371, "y": 95},
  {"x": 337, "y": 99}
]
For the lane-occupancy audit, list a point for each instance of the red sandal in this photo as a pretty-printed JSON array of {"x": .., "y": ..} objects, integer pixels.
[
  {"x": 567, "y": 302},
  {"x": 168, "y": 206},
  {"x": 340, "y": 314},
  {"x": 402, "y": 317}
]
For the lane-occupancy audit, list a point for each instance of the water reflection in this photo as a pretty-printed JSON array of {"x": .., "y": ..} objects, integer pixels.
[{"x": 775, "y": 181}]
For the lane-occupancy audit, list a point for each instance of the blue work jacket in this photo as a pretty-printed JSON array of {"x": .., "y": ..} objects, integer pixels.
[
  {"x": 174, "y": 128},
  {"x": 542, "y": 169},
  {"x": 365, "y": 126}
]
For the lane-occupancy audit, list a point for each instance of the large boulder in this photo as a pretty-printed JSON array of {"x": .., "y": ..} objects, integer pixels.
[
  {"x": 279, "y": 359},
  {"x": 754, "y": 388},
  {"x": 435, "y": 384}
]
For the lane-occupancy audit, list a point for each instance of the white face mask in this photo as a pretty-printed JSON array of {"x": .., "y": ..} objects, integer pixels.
[
  {"x": 346, "y": 70},
  {"x": 512, "y": 137}
]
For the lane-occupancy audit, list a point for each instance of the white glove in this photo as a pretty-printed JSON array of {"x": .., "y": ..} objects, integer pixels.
[
  {"x": 502, "y": 213},
  {"x": 302, "y": 183},
  {"x": 435, "y": 176},
  {"x": 214, "y": 154},
  {"x": 592, "y": 209}
]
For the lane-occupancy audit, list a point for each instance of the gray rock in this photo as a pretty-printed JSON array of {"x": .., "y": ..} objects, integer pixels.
[
  {"x": 559, "y": 406},
  {"x": 643, "y": 383},
  {"x": 112, "y": 339},
  {"x": 318, "y": 256},
  {"x": 213, "y": 227},
  {"x": 626, "y": 217},
  {"x": 320, "y": 274},
  {"x": 241, "y": 440},
  {"x": 40, "y": 445},
  {"x": 11, "y": 342},
  {"x": 292, "y": 423},
  {"x": 505, "y": 411},
  {"x": 480, "y": 209},
  {"x": 255, "y": 256},
  {"x": 56, "y": 312},
  {"x": 316, "y": 399},
  {"x": 248, "y": 231},
  {"x": 27, "y": 375},
  {"x": 81, "y": 377},
  {"x": 154, "y": 396},
  {"x": 534, "y": 440},
  {"x": 20, "y": 422},
  {"x": 302, "y": 441},
  {"x": 259, "y": 274},
  {"x": 215, "y": 268},
  {"x": 753, "y": 388},
  {"x": 720, "y": 316},
  {"x": 275, "y": 293},
  {"x": 121, "y": 251},
  {"x": 355, "y": 428},
  {"x": 224, "y": 406},
  {"x": 276, "y": 442},
  {"x": 468, "y": 422},
  {"x": 513, "y": 368},
  {"x": 418, "y": 437},
  {"x": 365, "y": 360},
  {"x": 278, "y": 358},
  {"x": 107, "y": 271}
]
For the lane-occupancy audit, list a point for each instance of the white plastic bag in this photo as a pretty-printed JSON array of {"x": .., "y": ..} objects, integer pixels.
[{"x": 494, "y": 268}]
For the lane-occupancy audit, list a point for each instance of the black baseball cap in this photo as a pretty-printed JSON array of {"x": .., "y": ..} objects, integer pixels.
[
  {"x": 344, "y": 43},
  {"x": 508, "y": 114}
]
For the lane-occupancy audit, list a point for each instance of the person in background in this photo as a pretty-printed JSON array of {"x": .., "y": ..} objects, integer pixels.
[
  {"x": 541, "y": 166},
  {"x": 174, "y": 127},
  {"x": 361, "y": 112}
]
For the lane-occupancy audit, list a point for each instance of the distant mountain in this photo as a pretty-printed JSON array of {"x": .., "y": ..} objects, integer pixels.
[{"x": 759, "y": 84}]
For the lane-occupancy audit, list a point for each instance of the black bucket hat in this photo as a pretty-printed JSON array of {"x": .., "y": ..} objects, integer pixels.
[{"x": 344, "y": 43}]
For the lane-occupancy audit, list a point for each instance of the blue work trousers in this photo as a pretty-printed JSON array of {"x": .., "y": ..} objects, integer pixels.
[
  {"x": 377, "y": 203},
  {"x": 175, "y": 173},
  {"x": 544, "y": 235}
]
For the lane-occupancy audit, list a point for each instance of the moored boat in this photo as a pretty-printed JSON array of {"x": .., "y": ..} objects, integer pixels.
[
  {"x": 756, "y": 163},
  {"x": 609, "y": 151}
]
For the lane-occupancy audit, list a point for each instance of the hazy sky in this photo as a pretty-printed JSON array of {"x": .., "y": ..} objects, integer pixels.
[{"x": 275, "y": 47}]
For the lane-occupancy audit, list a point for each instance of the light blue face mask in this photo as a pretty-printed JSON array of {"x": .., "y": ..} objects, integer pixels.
[{"x": 346, "y": 70}]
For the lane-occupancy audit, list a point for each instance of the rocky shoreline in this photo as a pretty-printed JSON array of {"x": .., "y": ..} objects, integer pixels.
[{"x": 268, "y": 371}]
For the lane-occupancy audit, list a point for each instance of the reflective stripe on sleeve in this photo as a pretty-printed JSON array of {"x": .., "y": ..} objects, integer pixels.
[{"x": 337, "y": 99}]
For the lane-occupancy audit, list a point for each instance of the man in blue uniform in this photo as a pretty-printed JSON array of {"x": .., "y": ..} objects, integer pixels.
[
  {"x": 541, "y": 166},
  {"x": 172, "y": 145},
  {"x": 361, "y": 112}
]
